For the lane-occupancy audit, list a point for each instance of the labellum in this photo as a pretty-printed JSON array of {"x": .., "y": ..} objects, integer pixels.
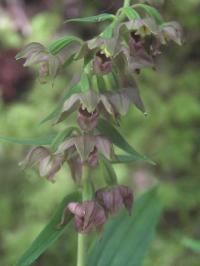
[
  {"x": 87, "y": 121},
  {"x": 102, "y": 64}
]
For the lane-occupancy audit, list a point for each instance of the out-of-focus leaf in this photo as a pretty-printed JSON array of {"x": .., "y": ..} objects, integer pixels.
[
  {"x": 131, "y": 13},
  {"x": 38, "y": 141},
  {"x": 192, "y": 244},
  {"x": 58, "y": 45},
  {"x": 54, "y": 114},
  {"x": 151, "y": 11},
  {"x": 126, "y": 239},
  {"x": 93, "y": 19},
  {"x": 116, "y": 138},
  {"x": 125, "y": 159},
  {"x": 49, "y": 234}
]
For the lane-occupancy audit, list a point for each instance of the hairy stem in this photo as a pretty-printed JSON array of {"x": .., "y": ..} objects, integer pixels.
[{"x": 82, "y": 238}]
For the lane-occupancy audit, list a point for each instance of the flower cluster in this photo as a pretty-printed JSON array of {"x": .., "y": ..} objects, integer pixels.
[
  {"x": 106, "y": 88},
  {"x": 94, "y": 213}
]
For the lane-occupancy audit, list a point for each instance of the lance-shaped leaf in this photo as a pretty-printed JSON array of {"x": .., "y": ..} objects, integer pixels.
[
  {"x": 126, "y": 239},
  {"x": 131, "y": 13},
  {"x": 38, "y": 141},
  {"x": 125, "y": 158},
  {"x": 93, "y": 19},
  {"x": 171, "y": 31},
  {"x": 111, "y": 133},
  {"x": 51, "y": 232},
  {"x": 58, "y": 45},
  {"x": 151, "y": 11}
]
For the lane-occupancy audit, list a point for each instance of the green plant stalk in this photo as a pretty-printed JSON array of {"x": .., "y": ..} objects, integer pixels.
[
  {"x": 82, "y": 238},
  {"x": 121, "y": 17},
  {"x": 127, "y": 3}
]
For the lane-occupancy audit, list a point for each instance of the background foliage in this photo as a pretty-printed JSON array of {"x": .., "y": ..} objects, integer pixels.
[{"x": 169, "y": 135}]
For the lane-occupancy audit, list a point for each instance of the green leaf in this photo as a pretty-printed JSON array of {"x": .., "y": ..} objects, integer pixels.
[
  {"x": 151, "y": 11},
  {"x": 101, "y": 84},
  {"x": 84, "y": 82},
  {"x": 39, "y": 141},
  {"x": 131, "y": 13},
  {"x": 192, "y": 244},
  {"x": 126, "y": 239},
  {"x": 125, "y": 159},
  {"x": 93, "y": 19},
  {"x": 108, "y": 172},
  {"x": 49, "y": 234},
  {"x": 108, "y": 32},
  {"x": 116, "y": 138},
  {"x": 54, "y": 114},
  {"x": 58, "y": 45}
]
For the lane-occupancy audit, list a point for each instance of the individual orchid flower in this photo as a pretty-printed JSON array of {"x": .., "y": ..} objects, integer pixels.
[
  {"x": 171, "y": 31},
  {"x": 47, "y": 163},
  {"x": 113, "y": 199},
  {"x": 110, "y": 104},
  {"x": 87, "y": 147},
  {"x": 139, "y": 53},
  {"x": 35, "y": 53},
  {"x": 87, "y": 216},
  {"x": 142, "y": 27},
  {"x": 101, "y": 52},
  {"x": 81, "y": 150}
]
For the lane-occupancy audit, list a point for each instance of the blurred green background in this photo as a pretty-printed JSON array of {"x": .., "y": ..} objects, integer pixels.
[{"x": 169, "y": 134}]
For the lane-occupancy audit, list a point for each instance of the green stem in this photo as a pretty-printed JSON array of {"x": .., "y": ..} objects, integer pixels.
[
  {"x": 81, "y": 253},
  {"x": 82, "y": 238},
  {"x": 127, "y": 3}
]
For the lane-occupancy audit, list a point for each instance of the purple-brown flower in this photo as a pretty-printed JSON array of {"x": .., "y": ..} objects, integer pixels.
[
  {"x": 109, "y": 104},
  {"x": 48, "y": 164},
  {"x": 113, "y": 199},
  {"x": 88, "y": 215},
  {"x": 35, "y": 53},
  {"x": 80, "y": 150}
]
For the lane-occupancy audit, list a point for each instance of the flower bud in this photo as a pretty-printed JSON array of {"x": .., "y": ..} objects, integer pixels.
[
  {"x": 87, "y": 121},
  {"x": 102, "y": 64},
  {"x": 114, "y": 198},
  {"x": 88, "y": 215}
]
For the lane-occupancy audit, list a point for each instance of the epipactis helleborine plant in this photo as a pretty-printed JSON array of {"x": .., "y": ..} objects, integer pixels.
[{"x": 105, "y": 89}]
